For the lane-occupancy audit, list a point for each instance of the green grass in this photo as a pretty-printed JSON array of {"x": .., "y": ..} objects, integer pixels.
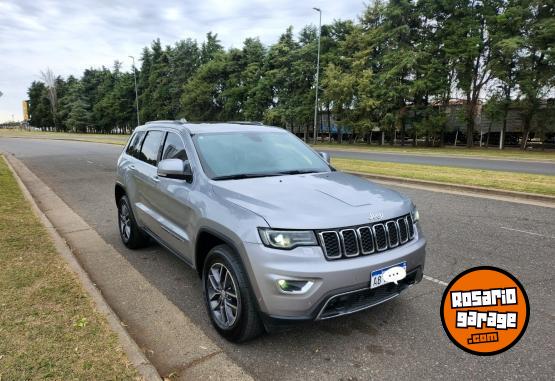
[
  {"x": 511, "y": 181},
  {"x": 49, "y": 328},
  {"x": 490, "y": 153}
]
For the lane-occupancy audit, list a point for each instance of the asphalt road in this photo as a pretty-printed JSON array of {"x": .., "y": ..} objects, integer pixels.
[
  {"x": 541, "y": 168},
  {"x": 399, "y": 339}
]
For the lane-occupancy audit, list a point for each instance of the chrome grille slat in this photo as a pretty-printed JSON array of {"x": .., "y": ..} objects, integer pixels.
[
  {"x": 411, "y": 226},
  {"x": 349, "y": 242},
  {"x": 367, "y": 239},
  {"x": 403, "y": 230},
  {"x": 392, "y": 233},
  {"x": 380, "y": 235},
  {"x": 331, "y": 244}
]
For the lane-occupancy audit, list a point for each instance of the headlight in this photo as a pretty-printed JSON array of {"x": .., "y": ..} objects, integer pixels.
[
  {"x": 287, "y": 239},
  {"x": 415, "y": 215}
]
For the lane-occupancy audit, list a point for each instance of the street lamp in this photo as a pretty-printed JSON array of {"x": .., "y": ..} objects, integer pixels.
[
  {"x": 136, "y": 92},
  {"x": 317, "y": 74}
]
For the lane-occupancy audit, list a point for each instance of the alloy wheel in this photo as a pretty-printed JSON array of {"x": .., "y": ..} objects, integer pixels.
[
  {"x": 124, "y": 222},
  {"x": 222, "y": 295}
]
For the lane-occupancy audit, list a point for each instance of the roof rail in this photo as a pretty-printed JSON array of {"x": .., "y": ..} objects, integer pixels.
[
  {"x": 246, "y": 122},
  {"x": 180, "y": 121}
]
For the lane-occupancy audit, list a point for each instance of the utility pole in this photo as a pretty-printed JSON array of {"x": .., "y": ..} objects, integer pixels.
[
  {"x": 317, "y": 75},
  {"x": 136, "y": 92}
]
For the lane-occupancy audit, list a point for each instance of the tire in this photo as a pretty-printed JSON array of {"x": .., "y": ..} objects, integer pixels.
[
  {"x": 246, "y": 325},
  {"x": 131, "y": 235}
]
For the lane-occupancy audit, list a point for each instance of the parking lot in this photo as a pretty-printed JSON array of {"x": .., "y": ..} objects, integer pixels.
[{"x": 401, "y": 338}]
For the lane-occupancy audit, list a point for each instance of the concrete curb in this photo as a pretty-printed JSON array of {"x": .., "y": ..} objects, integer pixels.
[
  {"x": 460, "y": 188},
  {"x": 147, "y": 371}
]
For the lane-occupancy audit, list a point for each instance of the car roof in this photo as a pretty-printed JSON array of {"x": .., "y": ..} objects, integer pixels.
[{"x": 207, "y": 128}]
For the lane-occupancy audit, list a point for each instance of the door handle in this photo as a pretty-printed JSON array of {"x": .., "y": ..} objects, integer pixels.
[
  {"x": 155, "y": 178},
  {"x": 132, "y": 167}
]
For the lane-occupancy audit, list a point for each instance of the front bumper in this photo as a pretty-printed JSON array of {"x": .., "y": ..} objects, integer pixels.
[{"x": 330, "y": 279}]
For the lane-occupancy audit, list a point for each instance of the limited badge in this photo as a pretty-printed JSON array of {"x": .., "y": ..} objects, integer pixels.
[{"x": 485, "y": 310}]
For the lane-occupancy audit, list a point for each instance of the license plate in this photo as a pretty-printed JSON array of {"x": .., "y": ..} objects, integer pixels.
[{"x": 388, "y": 274}]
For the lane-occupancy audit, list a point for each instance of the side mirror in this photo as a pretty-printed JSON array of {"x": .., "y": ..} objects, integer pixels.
[
  {"x": 325, "y": 156},
  {"x": 175, "y": 169}
]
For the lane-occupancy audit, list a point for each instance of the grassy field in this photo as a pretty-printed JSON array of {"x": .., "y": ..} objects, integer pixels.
[
  {"x": 519, "y": 182},
  {"x": 49, "y": 328},
  {"x": 490, "y": 153}
]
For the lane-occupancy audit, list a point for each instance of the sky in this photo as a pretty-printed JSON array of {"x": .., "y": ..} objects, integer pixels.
[{"x": 70, "y": 36}]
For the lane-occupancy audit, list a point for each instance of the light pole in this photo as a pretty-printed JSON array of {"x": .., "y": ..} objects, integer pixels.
[
  {"x": 136, "y": 92},
  {"x": 317, "y": 74}
]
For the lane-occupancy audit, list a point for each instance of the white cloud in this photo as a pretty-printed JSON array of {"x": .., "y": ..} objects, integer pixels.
[{"x": 71, "y": 36}]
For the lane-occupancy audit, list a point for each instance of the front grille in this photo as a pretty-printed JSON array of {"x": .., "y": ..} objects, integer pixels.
[{"x": 366, "y": 239}]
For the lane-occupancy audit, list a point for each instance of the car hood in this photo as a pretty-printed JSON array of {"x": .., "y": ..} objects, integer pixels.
[{"x": 314, "y": 201}]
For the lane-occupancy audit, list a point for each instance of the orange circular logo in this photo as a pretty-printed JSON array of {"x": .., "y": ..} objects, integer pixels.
[{"x": 485, "y": 310}]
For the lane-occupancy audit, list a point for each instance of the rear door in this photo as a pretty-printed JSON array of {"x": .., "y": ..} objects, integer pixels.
[
  {"x": 174, "y": 201},
  {"x": 128, "y": 166},
  {"x": 147, "y": 199}
]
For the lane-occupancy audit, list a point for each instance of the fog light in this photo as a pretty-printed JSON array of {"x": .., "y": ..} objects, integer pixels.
[{"x": 294, "y": 286}]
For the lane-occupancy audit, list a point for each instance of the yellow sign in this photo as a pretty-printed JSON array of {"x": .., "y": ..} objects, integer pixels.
[{"x": 25, "y": 110}]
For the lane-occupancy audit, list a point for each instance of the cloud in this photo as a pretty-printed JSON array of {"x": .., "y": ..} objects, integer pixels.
[{"x": 71, "y": 36}]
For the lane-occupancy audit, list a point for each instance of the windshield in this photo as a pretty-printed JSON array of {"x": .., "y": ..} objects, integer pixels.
[{"x": 255, "y": 154}]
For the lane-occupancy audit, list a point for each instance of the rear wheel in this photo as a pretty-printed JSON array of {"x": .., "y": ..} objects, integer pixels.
[
  {"x": 131, "y": 235},
  {"x": 228, "y": 297}
]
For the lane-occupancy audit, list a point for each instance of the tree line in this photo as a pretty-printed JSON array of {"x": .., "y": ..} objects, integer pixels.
[{"x": 396, "y": 68}]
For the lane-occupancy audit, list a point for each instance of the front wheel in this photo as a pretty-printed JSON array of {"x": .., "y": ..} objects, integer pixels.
[{"x": 228, "y": 297}]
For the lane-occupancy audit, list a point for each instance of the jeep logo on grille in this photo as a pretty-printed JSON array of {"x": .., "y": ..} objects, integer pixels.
[{"x": 375, "y": 217}]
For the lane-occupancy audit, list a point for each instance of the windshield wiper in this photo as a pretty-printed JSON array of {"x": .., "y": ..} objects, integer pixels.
[
  {"x": 297, "y": 172},
  {"x": 239, "y": 176}
]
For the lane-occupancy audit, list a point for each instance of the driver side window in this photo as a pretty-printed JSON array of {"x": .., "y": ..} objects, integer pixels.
[{"x": 174, "y": 148}]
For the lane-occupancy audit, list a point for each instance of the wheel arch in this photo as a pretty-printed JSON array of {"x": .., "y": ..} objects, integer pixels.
[
  {"x": 206, "y": 240},
  {"x": 119, "y": 191}
]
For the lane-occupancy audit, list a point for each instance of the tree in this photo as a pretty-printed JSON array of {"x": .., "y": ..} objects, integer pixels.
[
  {"x": 50, "y": 81},
  {"x": 535, "y": 75},
  {"x": 39, "y": 106},
  {"x": 506, "y": 38},
  {"x": 184, "y": 62},
  {"x": 210, "y": 48},
  {"x": 472, "y": 42},
  {"x": 202, "y": 94},
  {"x": 77, "y": 114}
]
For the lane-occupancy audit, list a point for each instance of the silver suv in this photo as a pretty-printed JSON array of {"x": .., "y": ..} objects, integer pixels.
[{"x": 276, "y": 233}]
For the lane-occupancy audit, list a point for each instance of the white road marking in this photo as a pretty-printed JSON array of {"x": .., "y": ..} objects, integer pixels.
[
  {"x": 90, "y": 162},
  {"x": 440, "y": 282},
  {"x": 527, "y": 232}
]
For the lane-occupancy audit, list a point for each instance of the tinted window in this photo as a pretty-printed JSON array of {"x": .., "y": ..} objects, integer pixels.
[
  {"x": 151, "y": 147},
  {"x": 174, "y": 148},
  {"x": 135, "y": 144}
]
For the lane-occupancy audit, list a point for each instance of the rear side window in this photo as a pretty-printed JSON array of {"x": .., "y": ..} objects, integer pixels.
[
  {"x": 135, "y": 144},
  {"x": 174, "y": 148},
  {"x": 151, "y": 147}
]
